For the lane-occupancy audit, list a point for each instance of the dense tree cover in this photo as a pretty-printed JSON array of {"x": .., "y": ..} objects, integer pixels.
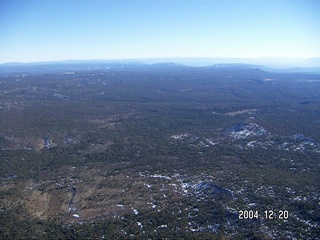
[{"x": 162, "y": 121}]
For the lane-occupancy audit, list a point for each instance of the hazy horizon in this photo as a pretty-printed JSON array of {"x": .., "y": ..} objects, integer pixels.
[
  {"x": 34, "y": 31},
  {"x": 194, "y": 61}
]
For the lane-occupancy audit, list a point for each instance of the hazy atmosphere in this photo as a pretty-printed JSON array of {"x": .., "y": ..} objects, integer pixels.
[
  {"x": 145, "y": 119},
  {"x": 62, "y": 30}
]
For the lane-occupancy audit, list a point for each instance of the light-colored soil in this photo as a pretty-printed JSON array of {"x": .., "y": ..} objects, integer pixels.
[{"x": 97, "y": 195}]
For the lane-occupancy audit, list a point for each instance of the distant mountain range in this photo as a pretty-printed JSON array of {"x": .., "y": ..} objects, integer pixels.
[
  {"x": 268, "y": 62},
  {"x": 311, "y": 65}
]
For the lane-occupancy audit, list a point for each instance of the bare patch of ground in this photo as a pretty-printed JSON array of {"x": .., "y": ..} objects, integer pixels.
[
  {"x": 245, "y": 111},
  {"x": 97, "y": 194}
]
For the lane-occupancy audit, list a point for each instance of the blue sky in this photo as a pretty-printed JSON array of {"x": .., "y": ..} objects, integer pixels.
[{"x": 49, "y": 30}]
